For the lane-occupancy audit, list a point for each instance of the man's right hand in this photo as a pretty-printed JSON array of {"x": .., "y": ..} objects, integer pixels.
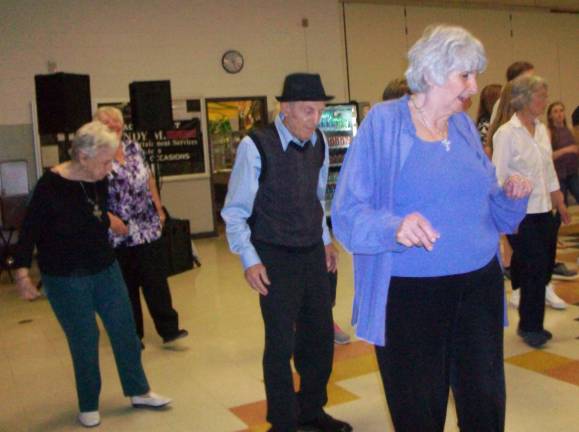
[{"x": 256, "y": 277}]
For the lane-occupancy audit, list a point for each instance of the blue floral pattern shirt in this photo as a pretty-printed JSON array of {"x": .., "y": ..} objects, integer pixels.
[{"x": 130, "y": 198}]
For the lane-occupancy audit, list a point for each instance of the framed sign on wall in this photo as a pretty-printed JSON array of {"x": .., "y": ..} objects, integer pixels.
[{"x": 179, "y": 150}]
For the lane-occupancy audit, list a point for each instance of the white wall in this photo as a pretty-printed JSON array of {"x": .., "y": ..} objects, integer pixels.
[{"x": 182, "y": 40}]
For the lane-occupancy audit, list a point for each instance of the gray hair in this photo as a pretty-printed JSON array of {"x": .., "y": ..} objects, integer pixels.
[
  {"x": 443, "y": 49},
  {"x": 90, "y": 138},
  {"x": 523, "y": 88}
]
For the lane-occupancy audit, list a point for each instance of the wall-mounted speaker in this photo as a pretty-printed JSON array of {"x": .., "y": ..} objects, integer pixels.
[
  {"x": 151, "y": 105},
  {"x": 63, "y": 102}
]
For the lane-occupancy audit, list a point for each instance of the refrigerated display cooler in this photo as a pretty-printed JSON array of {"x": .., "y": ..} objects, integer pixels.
[{"x": 340, "y": 124}]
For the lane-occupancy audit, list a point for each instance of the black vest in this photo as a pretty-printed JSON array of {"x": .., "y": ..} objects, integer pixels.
[{"x": 287, "y": 210}]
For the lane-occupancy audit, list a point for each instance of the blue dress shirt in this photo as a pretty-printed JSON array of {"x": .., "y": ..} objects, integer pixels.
[{"x": 242, "y": 190}]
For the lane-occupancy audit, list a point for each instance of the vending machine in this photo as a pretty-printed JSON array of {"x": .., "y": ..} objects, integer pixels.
[{"x": 340, "y": 124}]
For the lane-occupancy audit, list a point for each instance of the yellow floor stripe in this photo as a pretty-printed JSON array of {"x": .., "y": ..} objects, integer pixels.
[{"x": 538, "y": 361}]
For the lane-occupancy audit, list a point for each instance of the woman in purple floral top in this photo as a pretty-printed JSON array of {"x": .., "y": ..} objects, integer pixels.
[{"x": 137, "y": 217}]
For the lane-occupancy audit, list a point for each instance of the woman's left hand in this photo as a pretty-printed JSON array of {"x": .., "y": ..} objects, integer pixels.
[
  {"x": 331, "y": 258},
  {"x": 26, "y": 288},
  {"x": 517, "y": 187},
  {"x": 565, "y": 216},
  {"x": 162, "y": 216}
]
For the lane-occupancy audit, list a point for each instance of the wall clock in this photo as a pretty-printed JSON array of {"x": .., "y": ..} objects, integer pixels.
[{"x": 232, "y": 61}]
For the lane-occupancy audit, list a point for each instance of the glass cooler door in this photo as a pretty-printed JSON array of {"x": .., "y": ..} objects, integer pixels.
[{"x": 340, "y": 124}]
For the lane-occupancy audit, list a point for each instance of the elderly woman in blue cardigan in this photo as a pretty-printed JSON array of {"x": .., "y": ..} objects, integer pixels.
[{"x": 419, "y": 207}]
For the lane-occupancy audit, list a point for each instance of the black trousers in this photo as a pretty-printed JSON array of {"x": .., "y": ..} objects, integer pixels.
[
  {"x": 145, "y": 266},
  {"x": 297, "y": 314},
  {"x": 333, "y": 286},
  {"x": 534, "y": 248},
  {"x": 445, "y": 332},
  {"x": 555, "y": 224}
]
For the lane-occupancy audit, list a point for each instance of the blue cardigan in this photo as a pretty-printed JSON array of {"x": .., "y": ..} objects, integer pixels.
[{"x": 362, "y": 216}]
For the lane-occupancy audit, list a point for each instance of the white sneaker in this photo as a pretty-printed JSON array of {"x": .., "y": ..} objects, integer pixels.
[
  {"x": 89, "y": 418},
  {"x": 515, "y": 298},
  {"x": 150, "y": 400},
  {"x": 553, "y": 300}
]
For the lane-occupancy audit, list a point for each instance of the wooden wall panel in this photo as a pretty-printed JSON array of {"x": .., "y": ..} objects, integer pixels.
[
  {"x": 376, "y": 44},
  {"x": 379, "y": 36}
]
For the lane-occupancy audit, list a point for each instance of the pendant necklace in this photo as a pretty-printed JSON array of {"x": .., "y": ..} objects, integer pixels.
[
  {"x": 96, "y": 210},
  {"x": 436, "y": 134}
]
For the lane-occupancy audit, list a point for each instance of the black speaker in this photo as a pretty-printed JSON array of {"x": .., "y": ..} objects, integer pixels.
[
  {"x": 63, "y": 102},
  {"x": 151, "y": 105}
]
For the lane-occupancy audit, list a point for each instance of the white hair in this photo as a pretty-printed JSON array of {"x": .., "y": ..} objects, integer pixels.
[
  {"x": 443, "y": 49},
  {"x": 90, "y": 138}
]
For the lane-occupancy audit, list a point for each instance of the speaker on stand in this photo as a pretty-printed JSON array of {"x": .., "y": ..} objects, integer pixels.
[
  {"x": 151, "y": 110},
  {"x": 63, "y": 105}
]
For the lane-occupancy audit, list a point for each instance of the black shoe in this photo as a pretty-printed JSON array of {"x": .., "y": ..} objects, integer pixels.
[
  {"x": 535, "y": 339},
  {"x": 547, "y": 333},
  {"x": 142, "y": 346},
  {"x": 179, "y": 335},
  {"x": 560, "y": 271},
  {"x": 325, "y": 423}
]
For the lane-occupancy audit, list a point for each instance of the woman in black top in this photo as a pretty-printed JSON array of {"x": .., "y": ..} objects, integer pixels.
[{"x": 67, "y": 222}]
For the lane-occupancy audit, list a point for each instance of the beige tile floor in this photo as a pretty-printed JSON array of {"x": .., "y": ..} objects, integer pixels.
[{"x": 217, "y": 370}]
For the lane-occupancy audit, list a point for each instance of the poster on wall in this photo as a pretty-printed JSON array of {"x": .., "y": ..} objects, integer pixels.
[
  {"x": 178, "y": 151},
  {"x": 228, "y": 121}
]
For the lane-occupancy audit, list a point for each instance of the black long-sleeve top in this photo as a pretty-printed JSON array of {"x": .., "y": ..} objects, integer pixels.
[{"x": 70, "y": 239}]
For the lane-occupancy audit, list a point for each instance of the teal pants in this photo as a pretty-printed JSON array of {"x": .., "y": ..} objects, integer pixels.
[{"x": 76, "y": 300}]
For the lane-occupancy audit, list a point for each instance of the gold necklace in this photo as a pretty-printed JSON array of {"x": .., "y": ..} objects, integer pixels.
[
  {"x": 437, "y": 134},
  {"x": 96, "y": 210}
]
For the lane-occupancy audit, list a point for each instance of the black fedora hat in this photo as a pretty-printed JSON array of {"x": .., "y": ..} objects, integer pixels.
[{"x": 303, "y": 87}]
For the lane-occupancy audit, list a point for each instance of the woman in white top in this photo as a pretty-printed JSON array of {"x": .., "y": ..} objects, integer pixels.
[{"x": 522, "y": 146}]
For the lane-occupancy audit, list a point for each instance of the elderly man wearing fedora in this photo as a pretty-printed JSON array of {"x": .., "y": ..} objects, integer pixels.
[{"x": 274, "y": 212}]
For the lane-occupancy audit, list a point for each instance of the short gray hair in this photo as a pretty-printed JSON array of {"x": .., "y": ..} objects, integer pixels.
[
  {"x": 523, "y": 88},
  {"x": 443, "y": 49},
  {"x": 90, "y": 138}
]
